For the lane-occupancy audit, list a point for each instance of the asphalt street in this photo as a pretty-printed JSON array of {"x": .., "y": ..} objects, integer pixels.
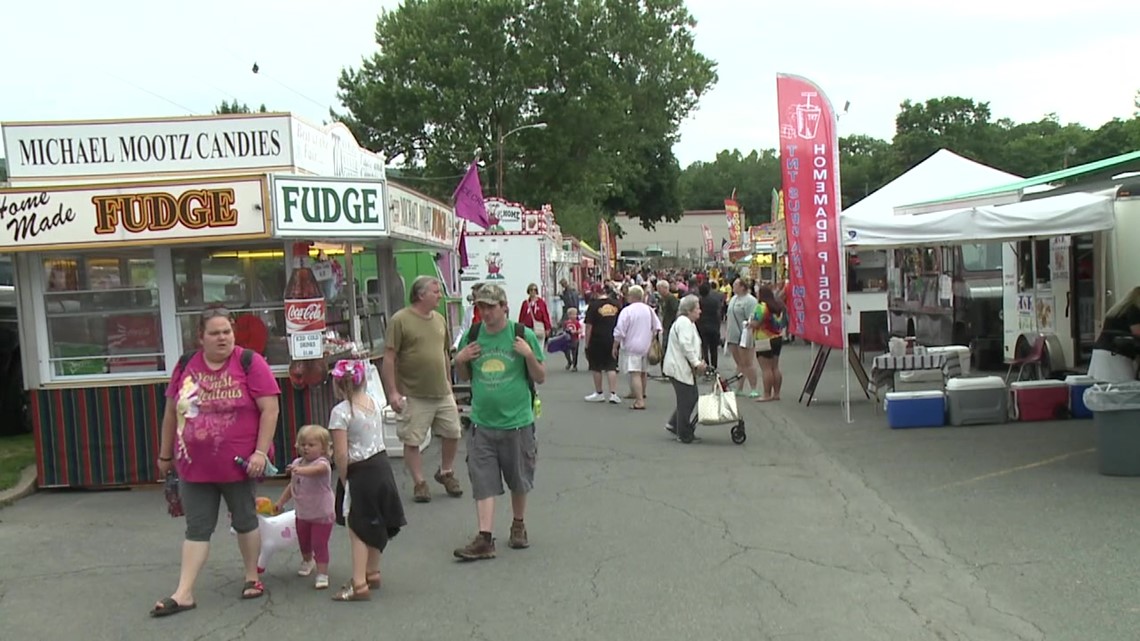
[{"x": 815, "y": 529}]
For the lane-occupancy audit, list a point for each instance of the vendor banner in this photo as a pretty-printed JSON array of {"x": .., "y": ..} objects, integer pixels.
[
  {"x": 138, "y": 214},
  {"x": 604, "y": 246},
  {"x": 809, "y": 163},
  {"x": 734, "y": 217},
  {"x": 709, "y": 250}
]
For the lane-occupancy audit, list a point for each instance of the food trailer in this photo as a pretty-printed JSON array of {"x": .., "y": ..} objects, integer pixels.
[{"x": 124, "y": 231}]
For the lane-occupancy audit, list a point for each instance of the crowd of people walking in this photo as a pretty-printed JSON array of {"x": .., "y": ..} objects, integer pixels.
[{"x": 222, "y": 410}]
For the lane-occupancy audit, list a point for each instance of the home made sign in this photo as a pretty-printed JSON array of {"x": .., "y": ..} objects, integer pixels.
[
  {"x": 122, "y": 215},
  {"x": 322, "y": 208}
]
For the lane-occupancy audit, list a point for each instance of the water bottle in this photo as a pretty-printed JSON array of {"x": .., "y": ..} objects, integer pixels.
[{"x": 270, "y": 469}]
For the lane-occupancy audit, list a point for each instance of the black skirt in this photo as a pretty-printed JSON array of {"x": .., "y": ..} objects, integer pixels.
[{"x": 375, "y": 513}]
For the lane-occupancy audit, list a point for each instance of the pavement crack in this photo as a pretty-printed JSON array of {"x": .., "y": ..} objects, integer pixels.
[
  {"x": 645, "y": 497},
  {"x": 476, "y": 629},
  {"x": 775, "y": 587},
  {"x": 108, "y": 568}
]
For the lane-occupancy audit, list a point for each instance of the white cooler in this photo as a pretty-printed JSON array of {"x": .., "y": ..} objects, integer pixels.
[
  {"x": 935, "y": 375},
  {"x": 389, "y": 419},
  {"x": 977, "y": 401},
  {"x": 391, "y": 422}
]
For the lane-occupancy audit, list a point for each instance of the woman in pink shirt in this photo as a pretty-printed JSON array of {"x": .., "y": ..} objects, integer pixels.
[
  {"x": 636, "y": 326},
  {"x": 222, "y": 403}
]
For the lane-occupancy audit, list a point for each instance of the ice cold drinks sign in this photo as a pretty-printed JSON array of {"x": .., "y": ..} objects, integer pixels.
[{"x": 143, "y": 214}]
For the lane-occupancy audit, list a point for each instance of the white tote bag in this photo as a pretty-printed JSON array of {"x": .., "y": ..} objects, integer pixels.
[
  {"x": 747, "y": 338},
  {"x": 717, "y": 407}
]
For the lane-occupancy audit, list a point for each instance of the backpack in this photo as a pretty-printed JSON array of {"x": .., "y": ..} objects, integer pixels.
[
  {"x": 246, "y": 360},
  {"x": 520, "y": 332}
]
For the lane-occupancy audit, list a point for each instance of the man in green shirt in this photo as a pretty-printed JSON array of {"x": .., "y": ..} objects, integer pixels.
[{"x": 501, "y": 360}]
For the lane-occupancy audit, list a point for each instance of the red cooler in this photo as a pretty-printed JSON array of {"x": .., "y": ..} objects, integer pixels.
[{"x": 1039, "y": 400}]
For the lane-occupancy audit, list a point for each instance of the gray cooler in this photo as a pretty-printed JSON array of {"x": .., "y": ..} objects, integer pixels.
[{"x": 977, "y": 401}]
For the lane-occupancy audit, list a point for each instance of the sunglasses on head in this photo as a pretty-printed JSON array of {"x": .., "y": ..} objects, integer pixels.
[{"x": 215, "y": 312}]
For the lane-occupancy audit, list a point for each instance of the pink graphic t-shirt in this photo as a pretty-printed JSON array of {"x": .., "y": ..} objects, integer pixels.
[
  {"x": 217, "y": 415},
  {"x": 313, "y": 496}
]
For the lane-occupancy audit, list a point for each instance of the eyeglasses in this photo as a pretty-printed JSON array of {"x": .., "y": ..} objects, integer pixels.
[{"x": 215, "y": 312}]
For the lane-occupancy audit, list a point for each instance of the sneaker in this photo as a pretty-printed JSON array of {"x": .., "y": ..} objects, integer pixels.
[
  {"x": 672, "y": 430},
  {"x": 518, "y": 540},
  {"x": 306, "y": 568},
  {"x": 615, "y": 399},
  {"x": 690, "y": 440},
  {"x": 322, "y": 582},
  {"x": 449, "y": 482},
  {"x": 479, "y": 548},
  {"x": 421, "y": 493},
  {"x": 596, "y": 397}
]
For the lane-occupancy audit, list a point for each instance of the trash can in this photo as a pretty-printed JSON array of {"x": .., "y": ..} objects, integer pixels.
[{"x": 1116, "y": 416}]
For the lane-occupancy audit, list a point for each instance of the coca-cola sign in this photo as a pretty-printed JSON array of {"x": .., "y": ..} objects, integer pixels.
[{"x": 304, "y": 315}]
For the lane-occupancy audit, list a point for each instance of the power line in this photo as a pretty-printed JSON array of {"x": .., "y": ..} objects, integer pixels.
[{"x": 155, "y": 94}]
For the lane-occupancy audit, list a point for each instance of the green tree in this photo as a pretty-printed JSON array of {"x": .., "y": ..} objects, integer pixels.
[
  {"x": 612, "y": 79},
  {"x": 705, "y": 185},
  {"x": 237, "y": 108},
  {"x": 958, "y": 124},
  {"x": 865, "y": 164}
]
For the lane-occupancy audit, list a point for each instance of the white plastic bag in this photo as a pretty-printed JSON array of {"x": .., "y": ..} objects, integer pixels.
[
  {"x": 347, "y": 503},
  {"x": 717, "y": 407},
  {"x": 373, "y": 387},
  {"x": 747, "y": 338}
]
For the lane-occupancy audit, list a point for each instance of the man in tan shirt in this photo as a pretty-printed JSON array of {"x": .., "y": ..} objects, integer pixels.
[{"x": 417, "y": 379}]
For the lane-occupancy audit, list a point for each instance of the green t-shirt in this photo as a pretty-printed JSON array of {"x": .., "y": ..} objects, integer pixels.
[{"x": 500, "y": 394}]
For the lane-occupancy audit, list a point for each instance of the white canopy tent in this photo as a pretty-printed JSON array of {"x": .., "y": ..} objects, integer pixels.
[
  {"x": 1063, "y": 215},
  {"x": 944, "y": 172}
]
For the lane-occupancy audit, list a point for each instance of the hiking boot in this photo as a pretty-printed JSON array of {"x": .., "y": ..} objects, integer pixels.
[
  {"x": 479, "y": 548},
  {"x": 518, "y": 540},
  {"x": 449, "y": 483},
  {"x": 421, "y": 493}
]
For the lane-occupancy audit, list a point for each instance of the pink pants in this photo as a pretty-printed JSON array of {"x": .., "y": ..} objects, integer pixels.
[{"x": 313, "y": 536}]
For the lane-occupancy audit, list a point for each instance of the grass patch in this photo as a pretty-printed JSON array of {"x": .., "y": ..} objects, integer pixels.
[{"x": 16, "y": 453}]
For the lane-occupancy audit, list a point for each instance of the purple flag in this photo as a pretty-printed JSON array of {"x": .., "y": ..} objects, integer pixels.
[
  {"x": 468, "y": 199},
  {"x": 463, "y": 260}
]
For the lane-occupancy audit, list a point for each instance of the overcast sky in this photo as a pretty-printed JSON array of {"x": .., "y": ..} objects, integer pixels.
[{"x": 76, "y": 59}]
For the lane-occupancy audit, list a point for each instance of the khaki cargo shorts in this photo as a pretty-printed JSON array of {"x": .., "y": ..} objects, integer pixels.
[{"x": 440, "y": 415}]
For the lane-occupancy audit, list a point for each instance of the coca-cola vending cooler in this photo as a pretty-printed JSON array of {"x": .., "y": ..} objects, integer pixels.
[{"x": 305, "y": 312}]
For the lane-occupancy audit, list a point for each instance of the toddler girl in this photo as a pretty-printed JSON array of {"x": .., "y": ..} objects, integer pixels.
[
  {"x": 573, "y": 328},
  {"x": 310, "y": 487},
  {"x": 375, "y": 513}
]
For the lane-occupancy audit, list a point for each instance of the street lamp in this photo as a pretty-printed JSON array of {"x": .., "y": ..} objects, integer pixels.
[{"x": 502, "y": 137}]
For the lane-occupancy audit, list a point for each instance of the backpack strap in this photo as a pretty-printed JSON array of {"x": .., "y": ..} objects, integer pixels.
[
  {"x": 520, "y": 332},
  {"x": 246, "y": 360},
  {"x": 183, "y": 361}
]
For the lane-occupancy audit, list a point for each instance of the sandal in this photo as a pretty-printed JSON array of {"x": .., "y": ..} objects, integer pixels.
[
  {"x": 169, "y": 606},
  {"x": 252, "y": 586},
  {"x": 635, "y": 406},
  {"x": 373, "y": 579},
  {"x": 350, "y": 592}
]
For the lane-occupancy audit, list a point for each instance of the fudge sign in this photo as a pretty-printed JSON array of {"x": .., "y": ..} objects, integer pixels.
[
  {"x": 101, "y": 148},
  {"x": 319, "y": 207},
  {"x": 142, "y": 214}
]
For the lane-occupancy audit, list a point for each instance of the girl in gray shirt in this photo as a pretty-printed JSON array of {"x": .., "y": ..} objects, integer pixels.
[{"x": 740, "y": 310}]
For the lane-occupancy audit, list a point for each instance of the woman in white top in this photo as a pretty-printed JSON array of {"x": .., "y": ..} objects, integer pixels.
[
  {"x": 739, "y": 339},
  {"x": 375, "y": 513},
  {"x": 682, "y": 358}
]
